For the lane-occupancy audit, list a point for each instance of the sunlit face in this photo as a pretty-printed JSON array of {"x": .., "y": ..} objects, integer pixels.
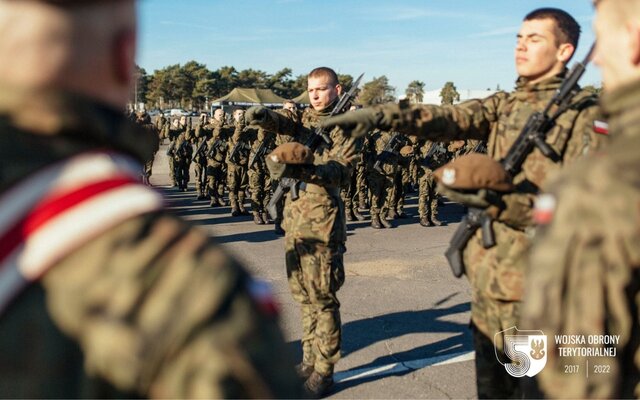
[
  {"x": 238, "y": 115},
  {"x": 612, "y": 45},
  {"x": 218, "y": 114},
  {"x": 322, "y": 92},
  {"x": 289, "y": 106},
  {"x": 537, "y": 54}
]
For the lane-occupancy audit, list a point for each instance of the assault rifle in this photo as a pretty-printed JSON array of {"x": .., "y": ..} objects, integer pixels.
[
  {"x": 317, "y": 138},
  {"x": 437, "y": 150},
  {"x": 201, "y": 150},
  {"x": 240, "y": 145},
  {"x": 260, "y": 152},
  {"x": 390, "y": 151},
  {"x": 532, "y": 136},
  {"x": 217, "y": 144},
  {"x": 171, "y": 148}
]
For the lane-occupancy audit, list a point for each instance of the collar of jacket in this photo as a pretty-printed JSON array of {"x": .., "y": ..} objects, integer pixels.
[
  {"x": 525, "y": 87},
  {"x": 622, "y": 107},
  {"x": 326, "y": 111},
  {"x": 55, "y": 113}
]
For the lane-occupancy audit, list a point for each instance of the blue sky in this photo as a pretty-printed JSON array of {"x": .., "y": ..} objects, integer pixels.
[{"x": 469, "y": 42}]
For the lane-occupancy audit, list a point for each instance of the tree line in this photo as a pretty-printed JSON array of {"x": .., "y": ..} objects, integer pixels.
[{"x": 193, "y": 86}]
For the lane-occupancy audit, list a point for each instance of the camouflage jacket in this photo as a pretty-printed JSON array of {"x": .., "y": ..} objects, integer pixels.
[
  {"x": 498, "y": 272},
  {"x": 376, "y": 143},
  {"x": 217, "y": 144},
  {"x": 244, "y": 137},
  {"x": 151, "y": 307},
  {"x": 318, "y": 215},
  {"x": 584, "y": 270}
]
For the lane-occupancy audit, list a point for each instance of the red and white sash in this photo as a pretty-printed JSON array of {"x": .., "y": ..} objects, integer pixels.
[{"x": 56, "y": 210}]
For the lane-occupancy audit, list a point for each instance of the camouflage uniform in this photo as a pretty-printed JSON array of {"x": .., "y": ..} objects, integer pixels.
[
  {"x": 182, "y": 153},
  {"x": 496, "y": 274},
  {"x": 237, "y": 178},
  {"x": 151, "y": 307},
  {"x": 202, "y": 133},
  {"x": 173, "y": 131},
  {"x": 583, "y": 270},
  {"x": 427, "y": 195},
  {"x": 281, "y": 139},
  {"x": 216, "y": 161},
  {"x": 145, "y": 122},
  {"x": 381, "y": 185},
  {"x": 259, "y": 179},
  {"x": 315, "y": 237}
]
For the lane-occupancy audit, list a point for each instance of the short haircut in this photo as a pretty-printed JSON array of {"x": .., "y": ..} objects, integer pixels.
[
  {"x": 325, "y": 72},
  {"x": 567, "y": 28}
]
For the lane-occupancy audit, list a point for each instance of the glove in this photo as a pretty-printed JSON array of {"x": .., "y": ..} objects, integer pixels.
[
  {"x": 359, "y": 122},
  {"x": 256, "y": 115}
]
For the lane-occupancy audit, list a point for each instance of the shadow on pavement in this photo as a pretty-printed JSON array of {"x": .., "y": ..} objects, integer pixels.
[{"x": 360, "y": 334}]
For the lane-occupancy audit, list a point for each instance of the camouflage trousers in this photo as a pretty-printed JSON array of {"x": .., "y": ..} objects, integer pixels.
[
  {"x": 181, "y": 172},
  {"x": 215, "y": 181},
  {"x": 315, "y": 272},
  {"x": 172, "y": 171},
  {"x": 260, "y": 186},
  {"x": 427, "y": 196},
  {"x": 237, "y": 181},
  {"x": 396, "y": 198},
  {"x": 489, "y": 317},
  {"x": 348, "y": 192},
  {"x": 201, "y": 175},
  {"x": 361, "y": 185},
  {"x": 381, "y": 187}
]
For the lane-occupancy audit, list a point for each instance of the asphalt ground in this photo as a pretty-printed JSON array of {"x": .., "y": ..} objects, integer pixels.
[{"x": 404, "y": 316}]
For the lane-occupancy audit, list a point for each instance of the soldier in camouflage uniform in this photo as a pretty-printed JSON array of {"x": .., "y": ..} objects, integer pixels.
[
  {"x": 202, "y": 133},
  {"x": 291, "y": 111},
  {"x": 127, "y": 300},
  {"x": 173, "y": 131},
  {"x": 315, "y": 228},
  {"x": 237, "y": 178},
  {"x": 162, "y": 125},
  {"x": 583, "y": 270},
  {"x": 144, "y": 120},
  {"x": 216, "y": 158},
  {"x": 380, "y": 183},
  {"x": 259, "y": 179},
  {"x": 182, "y": 153},
  {"x": 546, "y": 42},
  {"x": 427, "y": 195}
]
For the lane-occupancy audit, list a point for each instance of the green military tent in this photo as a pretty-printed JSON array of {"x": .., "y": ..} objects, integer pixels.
[
  {"x": 249, "y": 97},
  {"x": 303, "y": 98}
]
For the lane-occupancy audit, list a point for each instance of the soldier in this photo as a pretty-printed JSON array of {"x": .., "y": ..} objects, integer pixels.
[
  {"x": 237, "y": 160},
  {"x": 314, "y": 240},
  {"x": 381, "y": 178},
  {"x": 182, "y": 152},
  {"x": 202, "y": 134},
  {"x": 259, "y": 179},
  {"x": 216, "y": 158},
  {"x": 429, "y": 160},
  {"x": 173, "y": 132},
  {"x": 163, "y": 127},
  {"x": 289, "y": 109},
  {"x": 104, "y": 293},
  {"x": 583, "y": 269},
  {"x": 546, "y": 42},
  {"x": 144, "y": 120}
]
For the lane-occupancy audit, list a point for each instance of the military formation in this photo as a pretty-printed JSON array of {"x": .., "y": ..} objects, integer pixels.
[
  {"x": 228, "y": 159},
  {"x": 132, "y": 301}
]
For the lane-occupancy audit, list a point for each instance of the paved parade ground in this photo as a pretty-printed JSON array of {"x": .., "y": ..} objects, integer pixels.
[{"x": 404, "y": 316}]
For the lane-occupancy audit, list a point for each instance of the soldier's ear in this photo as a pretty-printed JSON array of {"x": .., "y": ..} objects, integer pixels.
[{"x": 565, "y": 52}]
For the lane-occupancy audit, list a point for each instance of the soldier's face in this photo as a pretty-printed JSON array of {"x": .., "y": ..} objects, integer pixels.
[
  {"x": 617, "y": 46},
  {"x": 217, "y": 114},
  {"x": 238, "y": 115},
  {"x": 537, "y": 55},
  {"x": 322, "y": 92},
  {"x": 290, "y": 107}
]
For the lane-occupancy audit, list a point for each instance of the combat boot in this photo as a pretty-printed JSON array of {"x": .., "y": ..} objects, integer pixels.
[
  {"x": 257, "y": 218},
  {"x": 435, "y": 221},
  {"x": 318, "y": 385},
  {"x": 424, "y": 221},
  {"x": 401, "y": 215},
  {"x": 391, "y": 214},
  {"x": 278, "y": 229},
  {"x": 357, "y": 214},
  {"x": 385, "y": 223},
  {"x": 235, "y": 211},
  {"x": 362, "y": 202},
  {"x": 375, "y": 221},
  {"x": 213, "y": 202},
  {"x": 243, "y": 211},
  {"x": 303, "y": 370},
  {"x": 265, "y": 218},
  {"x": 349, "y": 215}
]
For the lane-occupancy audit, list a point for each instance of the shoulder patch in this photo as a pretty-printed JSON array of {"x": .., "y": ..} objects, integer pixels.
[
  {"x": 601, "y": 127},
  {"x": 544, "y": 209}
]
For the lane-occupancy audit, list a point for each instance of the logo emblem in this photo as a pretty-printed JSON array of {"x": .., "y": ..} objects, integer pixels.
[{"x": 526, "y": 349}]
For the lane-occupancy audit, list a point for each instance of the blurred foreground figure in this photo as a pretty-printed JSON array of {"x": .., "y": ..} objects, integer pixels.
[
  {"x": 583, "y": 277},
  {"x": 102, "y": 293}
]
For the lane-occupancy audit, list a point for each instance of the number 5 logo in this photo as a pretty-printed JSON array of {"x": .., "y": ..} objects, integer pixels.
[{"x": 526, "y": 349}]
